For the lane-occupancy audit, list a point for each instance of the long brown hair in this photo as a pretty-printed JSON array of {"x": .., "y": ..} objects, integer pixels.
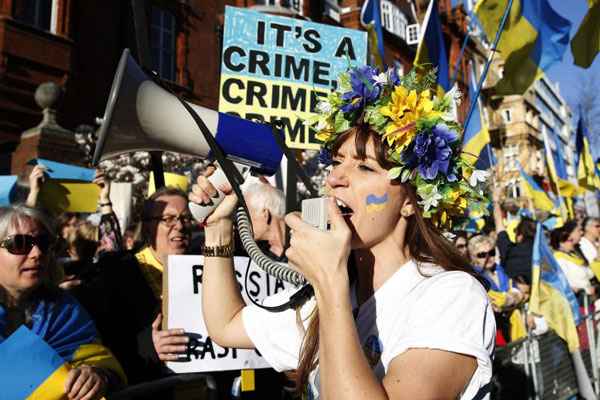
[{"x": 425, "y": 243}]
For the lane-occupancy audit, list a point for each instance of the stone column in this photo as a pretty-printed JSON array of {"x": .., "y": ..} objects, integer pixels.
[{"x": 47, "y": 140}]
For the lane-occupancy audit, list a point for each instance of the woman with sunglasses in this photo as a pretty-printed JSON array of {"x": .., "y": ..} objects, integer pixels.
[
  {"x": 505, "y": 295},
  {"x": 34, "y": 310},
  {"x": 397, "y": 313},
  {"x": 565, "y": 242}
]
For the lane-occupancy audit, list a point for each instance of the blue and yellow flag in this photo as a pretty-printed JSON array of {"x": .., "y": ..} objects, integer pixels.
[
  {"x": 540, "y": 198},
  {"x": 551, "y": 295},
  {"x": 556, "y": 165},
  {"x": 534, "y": 38},
  {"x": 587, "y": 172},
  {"x": 432, "y": 48},
  {"x": 38, "y": 358},
  {"x": 586, "y": 42},
  {"x": 476, "y": 146},
  {"x": 370, "y": 18}
]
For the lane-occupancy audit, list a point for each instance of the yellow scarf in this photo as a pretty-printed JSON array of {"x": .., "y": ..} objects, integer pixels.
[
  {"x": 152, "y": 269},
  {"x": 594, "y": 265},
  {"x": 565, "y": 256}
]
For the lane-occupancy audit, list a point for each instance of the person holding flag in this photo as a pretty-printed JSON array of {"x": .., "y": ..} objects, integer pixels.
[
  {"x": 49, "y": 346},
  {"x": 553, "y": 298}
]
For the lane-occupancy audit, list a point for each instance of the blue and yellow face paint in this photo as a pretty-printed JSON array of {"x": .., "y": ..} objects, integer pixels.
[{"x": 375, "y": 203}]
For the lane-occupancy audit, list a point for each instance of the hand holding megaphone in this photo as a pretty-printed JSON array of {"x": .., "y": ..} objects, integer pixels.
[{"x": 212, "y": 198}]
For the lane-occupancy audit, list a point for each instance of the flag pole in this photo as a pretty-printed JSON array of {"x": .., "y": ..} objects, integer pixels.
[{"x": 487, "y": 64}]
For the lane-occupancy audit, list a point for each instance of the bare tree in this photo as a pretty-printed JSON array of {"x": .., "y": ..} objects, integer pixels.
[{"x": 589, "y": 106}]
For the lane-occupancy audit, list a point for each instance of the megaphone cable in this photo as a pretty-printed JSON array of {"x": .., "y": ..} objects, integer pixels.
[{"x": 278, "y": 270}]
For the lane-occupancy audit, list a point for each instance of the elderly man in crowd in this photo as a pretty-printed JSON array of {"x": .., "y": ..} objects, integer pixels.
[
  {"x": 125, "y": 299},
  {"x": 266, "y": 205},
  {"x": 589, "y": 242}
]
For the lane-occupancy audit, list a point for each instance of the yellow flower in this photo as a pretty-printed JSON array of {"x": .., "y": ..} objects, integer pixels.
[
  {"x": 324, "y": 135},
  {"x": 404, "y": 109}
]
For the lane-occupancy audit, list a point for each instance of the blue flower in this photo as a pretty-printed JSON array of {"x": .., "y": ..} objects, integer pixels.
[
  {"x": 431, "y": 153},
  {"x": 325, "y": 157},
  {"x": 364, "y": 88}
]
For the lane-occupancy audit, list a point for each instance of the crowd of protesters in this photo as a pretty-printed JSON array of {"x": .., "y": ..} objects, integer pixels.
[{"x": 97, "y": 273}]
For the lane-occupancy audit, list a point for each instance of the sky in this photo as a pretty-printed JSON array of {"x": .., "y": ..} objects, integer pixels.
[{"x": 566, "y": 73}]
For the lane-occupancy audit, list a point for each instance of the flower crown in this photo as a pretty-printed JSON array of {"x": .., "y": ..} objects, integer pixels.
[{"x": 420, "y": 129}]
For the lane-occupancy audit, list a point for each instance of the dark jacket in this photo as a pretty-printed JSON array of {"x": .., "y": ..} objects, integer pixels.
[
  {"x": 515, "y": 257},
  {"x": 124, "y": 307}
]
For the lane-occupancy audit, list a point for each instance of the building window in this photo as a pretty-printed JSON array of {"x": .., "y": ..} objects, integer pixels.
[
  {"x": 386, "y": 15},
  {"x": 511, "y": 156},
  {"x": 393, "y": 19},
  {"x": 293, "y": 4},
  {"x": 506, "y": 115},
  {"x": 37, "y": 13},
  {"x": 162, "y": 39},
  {"x": 412, "y": 34}
]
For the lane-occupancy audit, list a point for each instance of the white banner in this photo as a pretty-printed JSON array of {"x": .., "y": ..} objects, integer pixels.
[{"x": 184, "y": 311}]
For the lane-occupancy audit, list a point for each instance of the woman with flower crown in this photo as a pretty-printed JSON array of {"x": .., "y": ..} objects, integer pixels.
[{"x": 396, "y": 313}]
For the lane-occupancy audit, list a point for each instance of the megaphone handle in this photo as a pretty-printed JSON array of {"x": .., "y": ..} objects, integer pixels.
[{"x": 218, "y": 178}]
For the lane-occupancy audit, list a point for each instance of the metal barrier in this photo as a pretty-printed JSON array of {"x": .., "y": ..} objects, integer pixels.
[{"x": 540, "y": 367}]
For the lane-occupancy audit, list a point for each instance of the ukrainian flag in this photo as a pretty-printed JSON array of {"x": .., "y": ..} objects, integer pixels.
[
  {"x": 534, "y": 38},
  {"x": 38, "y": 358},
  {"x": 556, "y": 165},
  {"x": 431, "y": 49},
  {"x": 551, "y": 295},
  {"x": 535, "y": 192},
  {"x": 476, "y": 140},
  {"x": 587, "y": 172},
  {"x": 586, "y": 42},
  {"x": 370, "y": 18}
]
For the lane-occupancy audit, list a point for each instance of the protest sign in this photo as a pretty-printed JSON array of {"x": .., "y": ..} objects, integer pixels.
[
  {"x": 278, "y": 68},
  {"x": 57, "y": 170},
  {"x": 7, "y": 183},
  {"x": 182, "y": 305},
  {"x": 59, "y": 196}
]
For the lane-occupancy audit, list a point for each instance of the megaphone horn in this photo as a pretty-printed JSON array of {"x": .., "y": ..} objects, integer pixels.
[{"x": 142, "y": 116}]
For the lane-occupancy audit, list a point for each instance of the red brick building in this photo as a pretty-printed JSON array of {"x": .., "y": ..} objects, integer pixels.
[{"x": 77, "y": 44}]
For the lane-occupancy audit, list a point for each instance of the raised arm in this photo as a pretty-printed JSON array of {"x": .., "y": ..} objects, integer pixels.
[
  {"x": 36, "y": 180},
  {"x": 219, "y": 285},
  {"x": 498, "y": 220}
]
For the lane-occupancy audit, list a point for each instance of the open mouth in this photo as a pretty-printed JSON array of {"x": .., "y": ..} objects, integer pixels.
[
  {"x": 344, "y": 208},
  {"x": 179, "y": 240}
]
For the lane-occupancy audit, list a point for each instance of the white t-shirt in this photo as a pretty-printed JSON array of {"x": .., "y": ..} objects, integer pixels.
[
  {"x": 441, "y": 310},
  {"x": 588, "y": 249}
]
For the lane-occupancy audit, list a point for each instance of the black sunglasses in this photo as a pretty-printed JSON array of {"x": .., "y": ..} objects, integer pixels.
[
  {"x": 22, "y": 244},
  {"x": 485, "y": 254}
]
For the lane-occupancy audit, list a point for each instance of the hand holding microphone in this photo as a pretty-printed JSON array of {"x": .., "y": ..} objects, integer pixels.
[
  {"x": 321, "y": 256},
  {"x": 212, "y": 198}
]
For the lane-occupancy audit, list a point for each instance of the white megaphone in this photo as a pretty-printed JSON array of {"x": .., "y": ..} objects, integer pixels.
[{"x": 142, "y": 116}]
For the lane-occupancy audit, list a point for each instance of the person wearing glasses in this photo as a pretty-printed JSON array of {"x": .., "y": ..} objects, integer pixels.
[
  {"x": 504, "y": 295},
  {"x": 125, "y": 299},
  {"x": 589, "y": 243},
  {"x": 32, "y": 305}
]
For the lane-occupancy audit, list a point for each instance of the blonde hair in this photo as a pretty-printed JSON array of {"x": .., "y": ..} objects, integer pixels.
[
  {"x": 476, "y": 241},
  {"x": 15, "y": 215}
]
